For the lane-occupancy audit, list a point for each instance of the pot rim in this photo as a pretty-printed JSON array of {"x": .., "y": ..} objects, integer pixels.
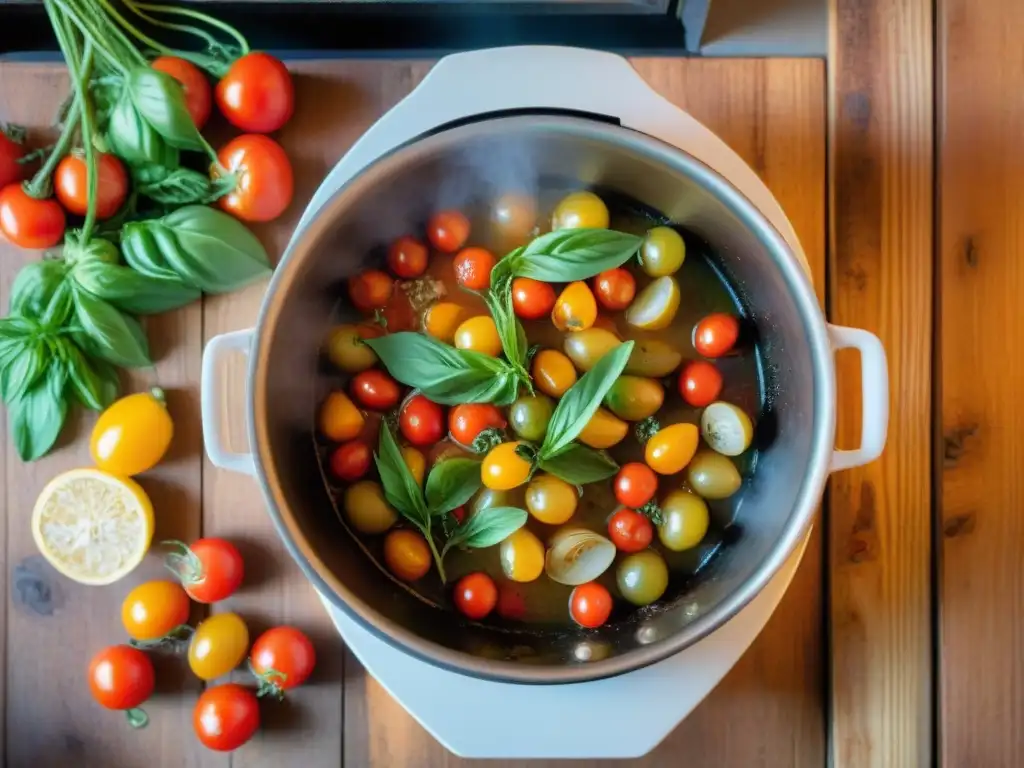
[{"x": 800, "y": 519}]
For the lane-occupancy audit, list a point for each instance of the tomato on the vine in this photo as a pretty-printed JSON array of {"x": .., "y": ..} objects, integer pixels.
[
  {"x": 10, "y": 153},
  {"x": 29, "y": 222},
  {"x": 716, "y": 334},
  {"x": 466, "y": 422},
  {"x": 590, "y": 605},
  {"x": 532, "y": 299},
  {"x": 421, "y": 421},
  {"x": 475, "y": 595},
  {"x": 153, "y": 609},
  {"x": 473, "y": 268},
  {"x": 282, "y": 658},
  {"x": 375, "y": 389},
  {"x": 615, "y": 288},
  {"x": 210, "y": 570},
  {"x": 630, "y": 531},
  {"x": 122, "y": 677},
  {"x": 370, "y": 290},
  {"x": 198, "y": 94},
  {"x": 635, "y": 485},
  {"x": 226, "y": 716},
  {"x": 448, "y": 231},
  {"x": 264, "y": 183},
  {"x": 407, "y": 257},
  {"x": 351, "y": 461},
  {"x": 700, "y": 383},
  {"x": 257, "y": 94}
]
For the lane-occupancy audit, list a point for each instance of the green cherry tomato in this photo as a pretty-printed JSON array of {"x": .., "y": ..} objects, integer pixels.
[
  {"x": 585, "y": 348},
  {"x": 713, "y": 475},
  {"x": 529, "y": 416},
  {"x": 634, "y": 398},
  {"x": 663, "y": 252},
  {"x": 642, "y": 578},
  {"x": 684, "y": 521}
]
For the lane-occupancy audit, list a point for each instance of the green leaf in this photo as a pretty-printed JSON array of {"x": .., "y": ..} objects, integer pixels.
[
  {"x": 400, "y": 487},
  {"x": 110, "y": 334},
  {"x": 510, "y": 330},
  {"x": 582, "y": 400},
  {"x": 160, "y": 100},
  {"x": 487, "y": 527},
  {"x": 451, "y": 483},
  {"x": 567, "y": 255},
  {"x": 143, "y": 251},
  {"x": 60, "y": 308},
  {"x": 183, "y": 186},
  {"x": 134, "y": 140},
  {"x": 444, "y": 374},
  {"x": 34, "y": 287},
  {"x": 95, "y": 384},
  {"x": 24, "y": 370},
  {"x": 37, "y": 417},
  {"x": 578, "y": 465},
  {"x": 132, "y": 291}
]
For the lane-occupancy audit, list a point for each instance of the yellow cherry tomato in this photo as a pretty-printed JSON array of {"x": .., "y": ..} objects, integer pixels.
[
  {"x": 406, "y": 555},
  {"x": 513, "y": 219},
  {"x": 553, "y": 372},
  {"x": 635, "y": 398},
  {"x": 153, "y": 609},
  {"x": 367, "y": 509},
  {"x": 441, "y": 320},
  {"x": 346, "y": 350},
  {"x": 550, "y": 499},
  {"x": 580, "y": 210},
  {"x": 340, "y": 420},
  {"x": 522, "y": 556},
  {"x": 671, "y": 448},
  {"x": 684, "y": 520},
  {"x": 663, "y": 252},
  {"x": 585, "y": 348},
  {"x": 132, "y": 435},
  {"x": 218, "y": 646},
  {"x": 416, "y": 462},
  {"x": 603, "y": 430},
  {"x": 479, "y": 334},
  {"x": 575, "y": 309},
  {"x": 503, "y": 469}
]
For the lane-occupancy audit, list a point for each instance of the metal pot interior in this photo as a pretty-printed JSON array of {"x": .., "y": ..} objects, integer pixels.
[{"x": 458, "y": 168}]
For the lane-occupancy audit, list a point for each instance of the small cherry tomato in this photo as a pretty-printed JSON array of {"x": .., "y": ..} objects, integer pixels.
[
  {"x": 511, "y": 603},
  {"x": 553, "y": 372},
  {"x": 281, "y": 658},
  {"x": 345, "y": 346},
  {"x": 421, "y": 421},
  {"x": 210, "y": 570},
  {"x": 442, "y": 319},
  {"x": 153, "y": 609},
  {"x": 503, "y": 468},
  {"x": 475, "y": 595},
  {"x": 375, "y": 389},
  {"x": 399, "y": 313},
  {"x": 198, "y": 94},
  {"x": 264, "y": 180},
  {"x": 532, "y": 299},
  {"x": 479, "y": 334},
  {"x": 642, "y": 577},
  {"x": 133, "y": 434},
  {"x": 218, "y": 645},
  {"x": 580, "y": 210},
  {"x": 459, "y": 513},
  {"x": 448, "y": 231},
  {"x": 257, "y": 94},
  {"x": 716, "y": 334},
  {"x": 466, "y": 422},
  {"x": 700, "y": 383},
  {"x": 635, "y": 398},
  {"x": 416, "y": 462},
  {"x": 122, "y": 677},
  {"x": 522, "y": 556},
  {"x": 684, "y": 521},
  {"x": 473, "y": 268},
  {"x": 635, "y": 485},
  {"x": 551, "y": 499},
  {"x": 351, "y": 461},
  {"x": 630, "y": 531},
  {"x": 615, "y": 288},
  {"x": 672, "y": 448},
  {"x": 590, "y": 605},
  {"x": 370, "y": 290},
  {"x": 407, "y": 257},
  {"x": 406, "y": 555},
  {"x": 29, "y": 222},
  {"x": 226, "y": 716},
  {"x": 530, "y": 416},
  {"x": 575, "y": 309},
  {"x": 663, "y": 252},
  {"x": 11, "y": 151},
  {"x": 367, "y": 509},
  {"x": 71, "y": 184},
  {"x": 604, "y": 430},
  {"x": 339, "y": 419}
]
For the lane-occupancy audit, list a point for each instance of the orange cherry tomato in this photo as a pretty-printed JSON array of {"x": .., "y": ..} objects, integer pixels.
[
  {"x": 476, "y": 595},
  {"x": 133, "y": 434},
  {"x": 121, "y": 677},
  {"x": 407, "y": 257},
  {"x": 630, "y": 531},
  {"x": 473, "y": 268},
  {"x": 198, "y": 94},
  {"x": 615, "y": 288},
  {"x": 153, "y": 609},
  {"x": 226, "y": 716},
  {"x": 282, "y": 658},
  {"x": 442, "y": 319},
  {"x": 421, "y": 421},
  {"x": 575, "y": 309},
  {"x": 340, "y": 420},
  {"x": 532, "y": 299},
  {"x": 375, "y": 389},
  {"x": 257, "y": 94},
  {"x": 370, "y": 290},
  {"x": 553, "y": 372},
  {"x": 406, "y": 554},
  {"x": 71, "y": 184},
  {"x": 635, "y": 485},
  {"x": 700, "y": 383},
  {"x": 448, "y": 231},
  {"x": 210, "y": 570},
  {"x": 590, "y": 605},
  {"x": 351, "y": 461},
  {"x": 716, "y": 334},
  {"x": 29, "y": 222},
  {"x": 264, "y": 182},
  {"x": 466, "y": 422}
]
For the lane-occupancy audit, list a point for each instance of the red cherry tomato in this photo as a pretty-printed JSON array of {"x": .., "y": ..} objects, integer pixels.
[
  {"x": 630, "y": 531},
  {"x": 282, "y": 658},
  {"x": 71, "y": 184},
  {"x": 615, "y": 288},
  {"x": 473, "y": 268},
  {"x": 257, "y": 94},
  {"x": 375, "y": 389},
  {"x": 121, "y": 677},
  {"x": 532, "y": 299},
  {"x": 465, "y": 422},
  {"x": 210, "y": 570},
  {"x": 635, "y": 485},
  {"x": 700, "y": 383},
  {"x": 351, "y": 461},
  {"x": 422, "y": 421},
  {"x": 716, "y": 334},
  {"x": 264, "y": 181},
  {"x": 459, "y": 513},
  {"x": 370, "y": 290},
  {"x": 448, "y": 231},
  {"x": 28, "y": 222},
  {"x": 407, "y": 257},
  {"x": 198, "y": 94},
  {"x": 476, "y": 595},
  {"x": 511, "y": 603},
  {"x": 226, "y": 716},
  {"x": 590, "y": 605},
  {"x": 10, "y": 152}
]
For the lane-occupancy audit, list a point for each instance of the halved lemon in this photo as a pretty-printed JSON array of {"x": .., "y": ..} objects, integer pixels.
[
  {"x": 92, "y": 526},
  {"x": 656, "y": 306}
]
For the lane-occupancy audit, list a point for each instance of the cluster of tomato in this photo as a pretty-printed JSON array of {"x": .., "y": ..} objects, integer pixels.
[
  {"x": 156, "y": 614},
  {"x": 256, "y": 95}
]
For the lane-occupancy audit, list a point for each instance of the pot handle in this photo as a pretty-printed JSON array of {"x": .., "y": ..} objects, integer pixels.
[
  {"x": 874, "y": 384},
  {"x": 211, "y": 401}
]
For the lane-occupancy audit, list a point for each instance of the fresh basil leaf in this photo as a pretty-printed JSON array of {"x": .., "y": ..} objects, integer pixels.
[
  {"x": 108, "y": 333},
  {"x": 578, "y": 465},
  {"x": 487, "y": 527},
  {"x": 160, "y": 101},
  {"x": 143, "y": 252},
  {"x": 451, "y": 483},
  {"x": 582, "y": 400},
  {"x": 95, "y": 384},
  {"x": 130, "y": 290},
  {"x": 95, "y": 249},
  {"x": 34, "y": 287},
  {"x": 567, "y": 255},
  {"x": 134, "y": 140},
  {"x": 400, "y": 487},
  {"x": 510, "y": 330},
  {"x": 183, "y": 186},
  {"x": 60, "y": 308},
  {"x": 38, "y": 416},
  {"x": 24, "y": 371}
]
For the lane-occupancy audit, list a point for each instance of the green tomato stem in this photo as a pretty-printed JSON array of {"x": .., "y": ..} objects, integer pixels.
[
  {"x": 243, "y": 44},
  {"x": 137, "y": 718},
  {"x": 438, "y": 557},
  {"x": 135, "y": 32},
  {"x": 39, "y": 186},
  {"x": 94, "y": 33}
]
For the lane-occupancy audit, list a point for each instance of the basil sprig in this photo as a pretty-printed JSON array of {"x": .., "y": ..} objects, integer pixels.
[{"x": 567, "y": 255}]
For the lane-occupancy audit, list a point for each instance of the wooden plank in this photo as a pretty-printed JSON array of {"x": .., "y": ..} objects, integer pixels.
[
  {"x": 981, "y": 492},
  {"x": 881, "y": 274},
  {"x": 54, "y": 626}
]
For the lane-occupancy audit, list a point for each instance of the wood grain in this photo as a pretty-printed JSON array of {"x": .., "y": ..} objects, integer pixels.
[
  {"x": 981, "y": 486},
  {"x": 881, "y": 275}
]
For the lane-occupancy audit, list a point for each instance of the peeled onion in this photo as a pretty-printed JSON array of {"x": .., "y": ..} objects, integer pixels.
[
  {"x": 726, "y": 428},
  {"x": 576, "y": 556}
]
